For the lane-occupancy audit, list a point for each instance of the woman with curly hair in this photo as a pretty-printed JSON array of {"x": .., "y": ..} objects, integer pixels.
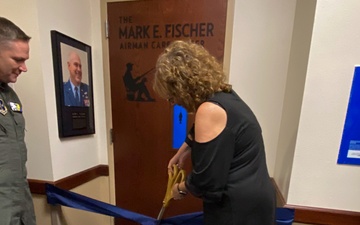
[{"x": 229, "y": 171}]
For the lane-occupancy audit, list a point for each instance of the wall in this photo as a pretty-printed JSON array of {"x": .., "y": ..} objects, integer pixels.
[
  {"x": 37, "y": 17},
  {"x": 316, "y": 179},
  {"x": 49, "y": 158},
  {"x": 262, "y": 66},
  {"x": 56, "y": 215},
  {"x": 34, "y": 104},
  {"x": 260, "y": 52},
  {"x": 74, "y": 22},
  {"x": 296, "y": 73},
  {"x": 295, "y": 81}
]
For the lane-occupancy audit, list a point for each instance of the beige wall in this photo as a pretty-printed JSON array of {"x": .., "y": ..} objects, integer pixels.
[
  {"x": 50, "y": 158},
  {"x": 261, "y": 42},
  {"x": 295, "y": 81},
  {"x": 34, "y": 104},
  {"x": 59, "y": 215},
  {"x": 42, "y": 210},
  {"x": 37, "y": 18},
  {"x": 261, "y": 50},
  {"x": 316, "y": 179}
]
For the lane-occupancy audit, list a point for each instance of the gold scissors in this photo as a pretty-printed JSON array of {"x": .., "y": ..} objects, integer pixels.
[{"x": 177, "y": 176}]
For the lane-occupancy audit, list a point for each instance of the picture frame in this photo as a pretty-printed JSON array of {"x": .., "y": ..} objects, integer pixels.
[{"x": 73, "y": 85}]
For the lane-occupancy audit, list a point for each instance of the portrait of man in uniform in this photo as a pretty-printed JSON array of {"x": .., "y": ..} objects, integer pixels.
[
  {"x": 73, "y": 85},
  {"x": 75, "y": 77}
]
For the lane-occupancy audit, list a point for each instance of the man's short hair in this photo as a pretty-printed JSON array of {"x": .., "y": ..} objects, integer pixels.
[{"x": 10, "y": 32}]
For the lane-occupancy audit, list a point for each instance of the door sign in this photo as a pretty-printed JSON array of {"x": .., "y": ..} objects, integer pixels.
[{"x": 179, "y": 126}]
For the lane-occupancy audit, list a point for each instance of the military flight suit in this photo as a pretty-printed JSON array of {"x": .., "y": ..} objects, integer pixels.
[{"x": 16, "y": 206}]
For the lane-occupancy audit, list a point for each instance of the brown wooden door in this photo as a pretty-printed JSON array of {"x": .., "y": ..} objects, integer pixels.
[{"x": 142, "y": 123}]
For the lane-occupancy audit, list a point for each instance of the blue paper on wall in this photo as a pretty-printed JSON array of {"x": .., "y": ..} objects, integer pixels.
[
  {"x": 179, "y": 126},
  {"x": 350, "y": 144}
]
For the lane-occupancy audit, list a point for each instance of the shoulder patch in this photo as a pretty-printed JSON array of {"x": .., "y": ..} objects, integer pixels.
[{"x": 3, "y": 109}]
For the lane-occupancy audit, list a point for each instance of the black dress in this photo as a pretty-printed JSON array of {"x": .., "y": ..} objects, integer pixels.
[{"x": 230, "y": 173}]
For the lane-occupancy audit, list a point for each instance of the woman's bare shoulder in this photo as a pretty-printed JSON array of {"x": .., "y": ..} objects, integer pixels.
[{"x": 210, "y": 121}]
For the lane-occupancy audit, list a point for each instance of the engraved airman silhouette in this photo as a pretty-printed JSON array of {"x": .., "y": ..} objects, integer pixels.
[{"x": 136, "y": 89}]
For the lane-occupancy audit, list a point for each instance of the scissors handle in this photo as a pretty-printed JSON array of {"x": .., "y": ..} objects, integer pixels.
[{"x": 177, "y": 176}]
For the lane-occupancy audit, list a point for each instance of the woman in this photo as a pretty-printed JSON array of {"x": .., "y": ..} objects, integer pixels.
[{"x": 229, "y": 167}]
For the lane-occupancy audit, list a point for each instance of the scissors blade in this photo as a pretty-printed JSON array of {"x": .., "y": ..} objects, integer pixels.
[{"x": 161, "y": 214}]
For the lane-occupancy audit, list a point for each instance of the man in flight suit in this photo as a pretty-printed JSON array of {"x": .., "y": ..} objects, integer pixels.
[{"x": 16, "y": 205}]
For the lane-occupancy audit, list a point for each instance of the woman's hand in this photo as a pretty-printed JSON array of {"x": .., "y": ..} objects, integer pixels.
[
  {"x": 179, "y": 158},
  {"x": 178, "y": 191}
]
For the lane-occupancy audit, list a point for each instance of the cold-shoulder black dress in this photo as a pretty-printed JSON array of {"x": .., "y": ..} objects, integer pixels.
[{"x": 230, "y": 172}]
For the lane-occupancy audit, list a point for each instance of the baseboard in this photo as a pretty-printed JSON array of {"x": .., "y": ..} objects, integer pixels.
[
  {"x": 70, "y": 182},
  {"x": 324, "y": 216},
  {"x": 320, "y": 216}
]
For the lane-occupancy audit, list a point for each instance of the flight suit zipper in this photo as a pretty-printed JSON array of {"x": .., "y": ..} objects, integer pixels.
[{"x": 15, "y": 124}]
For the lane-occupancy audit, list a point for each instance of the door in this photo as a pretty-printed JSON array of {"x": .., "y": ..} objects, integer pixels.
[{"x": 142, "y": 123}]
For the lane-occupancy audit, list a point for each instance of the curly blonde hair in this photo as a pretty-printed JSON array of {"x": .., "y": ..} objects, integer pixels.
[{"x": 187, "y": 72}]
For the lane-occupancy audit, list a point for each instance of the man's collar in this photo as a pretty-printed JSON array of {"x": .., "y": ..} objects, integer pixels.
[{"x": 3, "y": 86}]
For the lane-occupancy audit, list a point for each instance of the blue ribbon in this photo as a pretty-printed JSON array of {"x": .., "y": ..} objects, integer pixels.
[
  {"x": 56, "y": 195},
  {"x": 284, "y": 216}
]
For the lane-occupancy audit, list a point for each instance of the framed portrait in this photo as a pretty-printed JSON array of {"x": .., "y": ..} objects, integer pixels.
[{"x": 73, "y": 85}]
